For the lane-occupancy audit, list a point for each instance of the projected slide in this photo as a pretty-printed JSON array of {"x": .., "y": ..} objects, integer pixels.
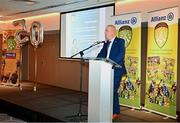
[{"x": 81, "y": 29}]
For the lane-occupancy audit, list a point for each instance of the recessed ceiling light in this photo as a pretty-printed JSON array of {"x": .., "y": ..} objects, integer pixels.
[{"x": 30, "y": 2}]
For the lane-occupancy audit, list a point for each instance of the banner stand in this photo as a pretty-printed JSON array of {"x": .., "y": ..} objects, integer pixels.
[
  {"x": 132, "y": 107},
  {"x": 128, "y": 27},
  {"x": 161, "y": 62},
  {"x": 156, "y": 112}
]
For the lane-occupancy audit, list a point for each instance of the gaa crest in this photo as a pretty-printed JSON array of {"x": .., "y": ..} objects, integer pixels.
[
  {"x": 161, "y": 34},
  {"x": 125, "y": 32}
]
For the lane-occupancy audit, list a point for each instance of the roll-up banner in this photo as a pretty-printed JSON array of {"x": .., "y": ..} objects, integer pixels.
[
  {"x": 162, "y": 53},
  {"x": 129, "y": 28},
  {"x": 10, "y": 59}
]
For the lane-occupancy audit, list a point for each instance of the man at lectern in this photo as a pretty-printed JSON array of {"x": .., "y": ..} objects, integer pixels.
[{"x": 114, "y": 49}]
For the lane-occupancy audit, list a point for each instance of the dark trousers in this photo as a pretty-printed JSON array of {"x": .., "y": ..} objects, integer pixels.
[{"x": 116, "y": 107}]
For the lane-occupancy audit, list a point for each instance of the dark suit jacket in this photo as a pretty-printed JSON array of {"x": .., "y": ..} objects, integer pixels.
[{"x": 117, "y": 54}]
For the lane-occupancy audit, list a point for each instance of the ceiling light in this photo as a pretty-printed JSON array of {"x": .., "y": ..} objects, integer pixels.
[{"x": 30, "y": 2}]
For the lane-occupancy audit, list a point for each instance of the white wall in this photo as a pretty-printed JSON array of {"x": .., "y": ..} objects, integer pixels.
[{"x": 50, "y": 22}]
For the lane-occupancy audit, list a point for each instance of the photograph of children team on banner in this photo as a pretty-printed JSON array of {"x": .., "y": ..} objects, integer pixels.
[
  {"x": 130, "y": 84},
  {"x": 162, "y": 87}
]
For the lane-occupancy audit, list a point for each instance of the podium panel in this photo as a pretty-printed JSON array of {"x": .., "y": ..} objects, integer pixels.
[{"x": 100, "y": 93}]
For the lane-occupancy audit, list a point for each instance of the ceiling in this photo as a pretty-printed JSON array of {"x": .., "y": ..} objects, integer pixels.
[{"x": 14, "y": 9}]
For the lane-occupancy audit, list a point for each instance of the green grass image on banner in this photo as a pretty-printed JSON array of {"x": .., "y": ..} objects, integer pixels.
[
  {"x": 169, "y": 111},
  {"x": 130, "y": 98}
]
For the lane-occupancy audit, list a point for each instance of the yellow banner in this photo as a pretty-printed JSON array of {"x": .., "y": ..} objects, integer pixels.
[
  {"x": 129, "y": 28},
  {"x": 10, "y": 58},
  {"x": 161, "y": 71}
]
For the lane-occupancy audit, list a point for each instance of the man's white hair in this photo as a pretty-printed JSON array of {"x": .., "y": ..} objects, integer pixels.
[{"x": 111, "y": 26}]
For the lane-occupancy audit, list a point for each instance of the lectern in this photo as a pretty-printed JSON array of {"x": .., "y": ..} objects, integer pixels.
[{"x": 100, "y": 93}]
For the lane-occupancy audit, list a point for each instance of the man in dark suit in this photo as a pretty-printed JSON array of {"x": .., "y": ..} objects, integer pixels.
[{"x": 114, "y": 49}]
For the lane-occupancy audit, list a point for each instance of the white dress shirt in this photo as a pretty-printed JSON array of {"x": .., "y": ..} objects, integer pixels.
[{"x": 109, "y": 47}]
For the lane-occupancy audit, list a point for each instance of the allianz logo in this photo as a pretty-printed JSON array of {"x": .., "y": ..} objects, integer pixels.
[
  {"x": 132, "y": 21},
  {"x": 168, "y": 17}
]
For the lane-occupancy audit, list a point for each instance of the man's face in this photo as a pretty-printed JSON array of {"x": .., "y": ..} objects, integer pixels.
[{"x": 109, "y": 33}]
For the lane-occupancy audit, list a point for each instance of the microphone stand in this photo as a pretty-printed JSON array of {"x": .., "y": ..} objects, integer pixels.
[
  {"x": 79, "y": 113},
  {"x": 81, "y": 52}
]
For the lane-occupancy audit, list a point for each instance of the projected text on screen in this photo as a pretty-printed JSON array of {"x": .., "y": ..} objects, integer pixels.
[{"x": 81, "y": 29}]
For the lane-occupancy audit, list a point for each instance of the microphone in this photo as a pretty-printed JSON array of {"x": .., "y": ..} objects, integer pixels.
[{"x": 98, "y": 42}]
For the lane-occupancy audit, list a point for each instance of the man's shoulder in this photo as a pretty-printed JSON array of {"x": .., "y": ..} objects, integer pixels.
[{"x": 119, "y": 40}]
